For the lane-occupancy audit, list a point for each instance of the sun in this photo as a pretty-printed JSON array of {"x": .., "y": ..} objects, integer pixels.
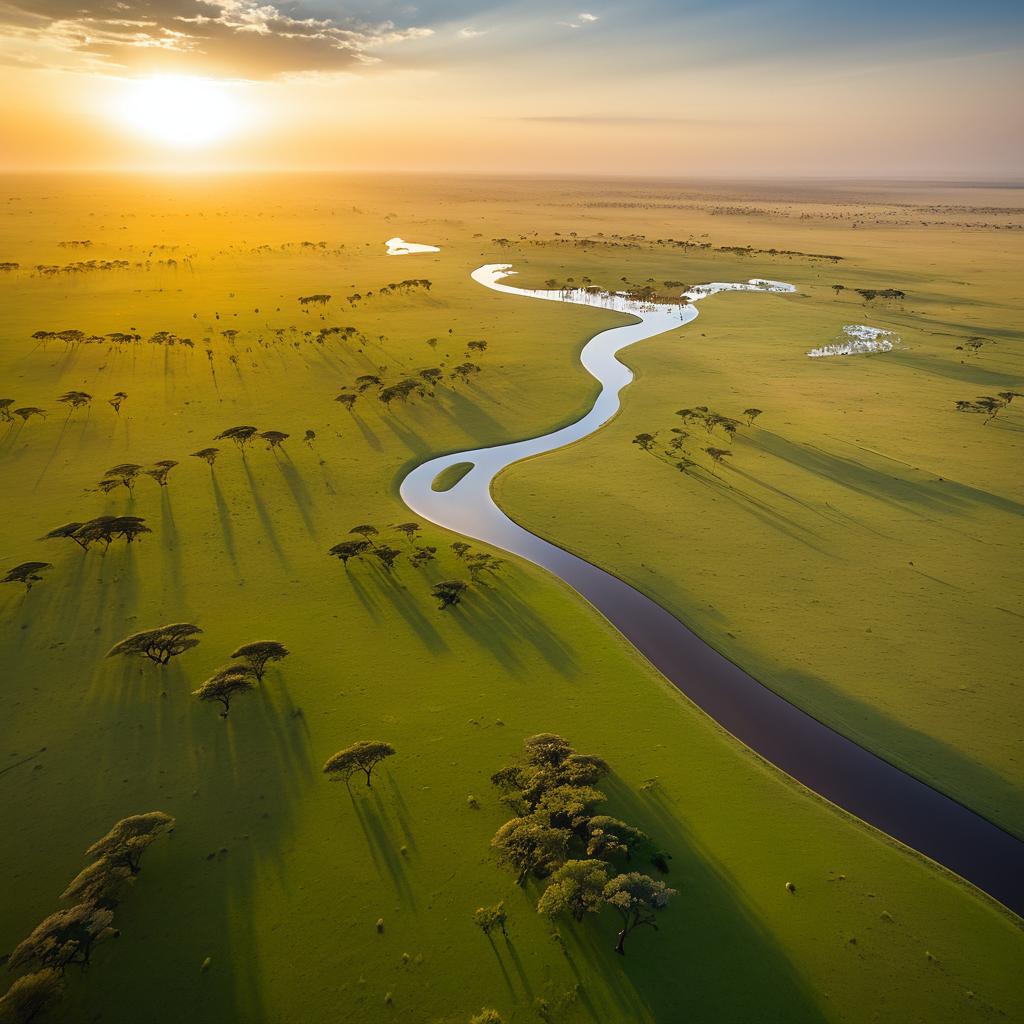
[{"x": 179, "y": 110}]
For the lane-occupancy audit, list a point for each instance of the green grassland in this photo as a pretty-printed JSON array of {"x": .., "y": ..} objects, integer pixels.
[
  {"x": 861, "y": 551},
  {"x": 276, "y": 875}
]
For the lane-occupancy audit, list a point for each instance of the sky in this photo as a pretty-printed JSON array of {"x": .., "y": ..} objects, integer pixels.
[{"x": 691, "y": 88}]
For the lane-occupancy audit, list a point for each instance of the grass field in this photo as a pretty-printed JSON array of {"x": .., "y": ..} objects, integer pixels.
[{"x": 278, "y": 878}]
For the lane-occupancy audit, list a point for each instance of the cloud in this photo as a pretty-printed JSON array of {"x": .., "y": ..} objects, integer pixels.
[
  {"x": 239, "y": 38},
  {"x": 583, "y": 18},
  {"x": 471, "y": 33}
]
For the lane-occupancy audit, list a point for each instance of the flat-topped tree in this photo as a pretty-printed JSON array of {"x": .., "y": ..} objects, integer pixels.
[
  {"x": 5, "y": 409},
  {"x": 718, "y": 456},
  {"x": 408, "y": 530},
  {"x": 225, "y": 684},
  {"x": 637, "y": 898},
  {"x": 576, "y": 888},
  {"x": 66, "y": 937},
  {"x": 309, "y": 437},
  {"x": 449, "y": 592},
  {"x": 274, "y": 438},
  {"x": 68, "y": 530},
  {"x": 160, "y": 471},
  {"x": 347, "y": 400},
  {"x": 350, "y": 549},
  {"x": 125, "y": 474},
  {"x": 241, "y": 436},
  {"x": 363, "y": 757},
  {"x": 26, "y": 573},
  {"x": 752, "y": 414},
  {"x": 387, "y": 555},
  {"x": 75, "y": 399},
  {"x": 365, "y": 531},
  {"x": 129, "y": 839},
  {"x": 208, "y": 455},
  {"x": 117, "y": 401},
  {"x": 26, "y": 412},
  {"x": 259, "y": 654},
  {"x": 31, "y": 997},
  {"x": 160, "y": 644},
  {"x": 106, "y": 528},
  {"x": 645, "y": 441}
]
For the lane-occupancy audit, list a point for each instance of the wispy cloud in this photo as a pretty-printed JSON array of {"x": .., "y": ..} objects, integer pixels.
[
  {"x": 582, "y": 19},
  {"x": 471, "y": 33}
]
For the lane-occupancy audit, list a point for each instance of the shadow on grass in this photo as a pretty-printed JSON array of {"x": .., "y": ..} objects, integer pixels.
[
  {"x": 374, "y": 812},
  {"x": 709, "y": 960},
  {"x": 224, "y": 517},
  {"x": 264, "y": 516},
  {"x": 969, "y": 373}
]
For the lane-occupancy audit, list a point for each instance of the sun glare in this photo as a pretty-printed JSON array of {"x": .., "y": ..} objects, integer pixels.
[{"x": 179, "y": 111}]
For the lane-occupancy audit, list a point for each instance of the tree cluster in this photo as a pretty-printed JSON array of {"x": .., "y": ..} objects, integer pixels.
[
  {"x": 989, "y": 405},
  {"x": 68, "y": 936},
  {"x": 675, "y": 450},
  {"x": 558, "y": 836},
  {"x": 102, "y": 529},
  {"x": 230, "y": 681},
  {"x": 363, "y": 756}
]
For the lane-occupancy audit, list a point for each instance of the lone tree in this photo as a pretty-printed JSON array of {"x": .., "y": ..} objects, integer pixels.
[
  {"x": 129, "y": 839},
  {"x": 363, "y": 757},
  {"x": 576, "y": 888},
  {"x": 66, "y": 937},
  {"x": 349, "y": 549},
  {"x": 75, "y": 399},
  {"x": 752, "y": 414},
  {"x": 160, "y": 471},
  {"x": 365, "y": 531},
  {"x": 387, "y": 556},
  {"x": 209, "y": 455},
  {"x": 117, "y": 401},
  {"x": 637, "y": 898},
  {"x": 160, "y": 644},
  {"x": 408, "y": 530},
  {"x": 27, "y": 573},
  {"x": 225, "y": 684},
  {"x": 124, "y": 474},
  {"x": 31, "y": 996},
  {"x": 646, "y": 441},
  {"x": 259, "y": 654},
  {"x": 309, "y": 437},
  {"x": 449, "y": 592},
  {"x": 28, "y": 411},
  {"x": 347, "y": 400},
  {"x": 274, "y": 438},
  {"x": 489, "y": 919},
  {"x": 241, "y": 436}
]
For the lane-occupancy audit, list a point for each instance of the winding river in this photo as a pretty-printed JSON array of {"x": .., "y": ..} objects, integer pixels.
[{"x": 812, "y": 753}]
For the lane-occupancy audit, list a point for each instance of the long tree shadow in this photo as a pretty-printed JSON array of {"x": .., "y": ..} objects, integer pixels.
[
  {"x": 383, "y": 843},
  {"x": 174, "y": 584},
  {"x": 264, "y": 517},
  {"x": 224, "y": 517},
  {"x": 406, "y": 605},
  {"x": 299, "y": 493},
  {"x": 687, "y": 969}
]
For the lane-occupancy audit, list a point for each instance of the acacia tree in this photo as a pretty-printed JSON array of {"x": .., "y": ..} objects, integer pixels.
[
  {"x": 645, "y": 441},
  {"x": 718, "y": 456},
  {"x": 274, "y": 438},
  {"x": 637, "y": 898},
  {"x": 68, "y": 530},
  {"x": 387, "y": 555},
  {"x": 27, "y": 573},
  {"x": 160, "y": 644},
  {"x": 576, "y": 888},
  {"x": 309, "y": 437},
  {"x": 259, "y": 654},
  {"x": 752, "y": 415},
  {"x": 5, "y": 409},
  {"x": 106, "y": 528},
  {"x": 129, "y": 839},
  {"x": 208, "y": 455},
  {"x": 241, "y": 436},
  {"x": 117, "y": 400},
  {"x": 347, "y": 400},
  {"x": 449, "y": 592},
  {"x": 408, "y": 530},
  {"x": 365, "y": 531},
  {"x": 75, "y": 400},
  {"x": 349, "y": 549},
  {"x": 160, "y": 471},
  {"x": 124, "y": 474},
  {"x": 226, "y": 683},
  {"x": 363, "y": 757},
  {"x": 28, "y": 411}
]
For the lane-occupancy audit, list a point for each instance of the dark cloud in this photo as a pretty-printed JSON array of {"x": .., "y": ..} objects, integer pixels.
[{"x": 240, "y": 38}]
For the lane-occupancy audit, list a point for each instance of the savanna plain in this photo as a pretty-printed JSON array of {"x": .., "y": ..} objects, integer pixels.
[{"x": 847, "y": 528}]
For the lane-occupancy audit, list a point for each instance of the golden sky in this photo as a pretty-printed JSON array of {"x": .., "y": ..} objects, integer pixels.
[{"x": 652, "y": 87}]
